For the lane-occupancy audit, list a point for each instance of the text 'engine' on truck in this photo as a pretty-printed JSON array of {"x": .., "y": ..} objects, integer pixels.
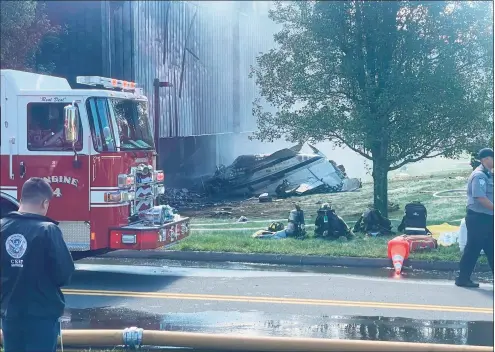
[{"x": 97, "y": 150}]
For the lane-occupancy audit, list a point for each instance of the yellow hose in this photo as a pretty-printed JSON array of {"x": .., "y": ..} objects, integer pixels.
[{"x": 105, "y": 338}]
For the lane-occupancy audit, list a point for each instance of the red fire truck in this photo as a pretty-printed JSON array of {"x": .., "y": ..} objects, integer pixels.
[{"x": 96, "y": 148}]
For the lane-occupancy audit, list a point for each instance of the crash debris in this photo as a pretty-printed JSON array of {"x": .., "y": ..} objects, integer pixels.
[
  {"x": 287, "y": 172},
  {"x": 265, "y": 198}
]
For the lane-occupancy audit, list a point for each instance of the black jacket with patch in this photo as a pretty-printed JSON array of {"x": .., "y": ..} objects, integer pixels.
[{"x": 36, "y": 263}]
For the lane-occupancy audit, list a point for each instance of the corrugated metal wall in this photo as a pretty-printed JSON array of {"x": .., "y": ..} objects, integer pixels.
[
  {"x": 205, "y": 51},
  {"x": 197, "y": 61}
]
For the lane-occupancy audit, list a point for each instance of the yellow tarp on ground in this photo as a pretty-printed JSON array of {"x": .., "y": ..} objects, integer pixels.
[
  {"x": 261, "y": 233},
  {"x": 445, "y": 234}
]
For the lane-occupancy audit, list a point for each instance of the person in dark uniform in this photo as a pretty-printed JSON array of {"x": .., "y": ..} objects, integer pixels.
[
  {"x": 479, "y": 218},
  {"x": 36, "y": 263}
]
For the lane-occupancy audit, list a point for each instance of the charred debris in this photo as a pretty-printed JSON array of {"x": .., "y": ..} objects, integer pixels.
[{"x": 285, "y": 173}]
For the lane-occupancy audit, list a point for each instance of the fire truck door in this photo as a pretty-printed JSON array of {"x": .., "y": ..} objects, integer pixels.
[
  {"x": 8, "y": 143},
  {"x": 43, "y": 152}
]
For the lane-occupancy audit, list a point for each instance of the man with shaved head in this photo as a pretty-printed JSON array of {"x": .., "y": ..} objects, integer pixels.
[{"x": 36, "y": 263}]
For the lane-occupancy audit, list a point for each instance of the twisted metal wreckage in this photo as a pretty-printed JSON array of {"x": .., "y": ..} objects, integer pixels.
[{"x": 286, "y": 172}]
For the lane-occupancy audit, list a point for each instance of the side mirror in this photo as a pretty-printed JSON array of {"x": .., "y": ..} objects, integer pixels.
[{"x": 71, "y": 123}]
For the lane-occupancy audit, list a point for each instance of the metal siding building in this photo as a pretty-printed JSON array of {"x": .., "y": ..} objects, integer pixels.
[{"x": 205, "y": 50}]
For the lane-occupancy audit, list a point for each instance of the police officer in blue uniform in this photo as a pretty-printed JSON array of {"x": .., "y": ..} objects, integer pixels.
[{"x": 479, "y": 219}]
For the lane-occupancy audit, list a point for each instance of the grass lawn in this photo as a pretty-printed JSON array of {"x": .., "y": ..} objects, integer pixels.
[{"x": 225, "y": 235}]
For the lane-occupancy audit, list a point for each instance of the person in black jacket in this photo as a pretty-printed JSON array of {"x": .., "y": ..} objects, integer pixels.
[{"x": 36, "y": 263}]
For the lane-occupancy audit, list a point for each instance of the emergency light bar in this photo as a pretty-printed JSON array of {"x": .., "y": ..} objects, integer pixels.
[{"x": 106, "y": 82}]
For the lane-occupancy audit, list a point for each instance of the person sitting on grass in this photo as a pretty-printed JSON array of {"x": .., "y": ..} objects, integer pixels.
[{"x": 329, "y": 225}]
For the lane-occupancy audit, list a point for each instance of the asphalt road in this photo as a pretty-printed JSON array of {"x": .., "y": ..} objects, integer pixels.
[{"x": 279, "y": 302}]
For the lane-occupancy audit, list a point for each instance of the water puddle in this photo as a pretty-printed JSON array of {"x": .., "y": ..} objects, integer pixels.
[{"x": 256, "y": 323}]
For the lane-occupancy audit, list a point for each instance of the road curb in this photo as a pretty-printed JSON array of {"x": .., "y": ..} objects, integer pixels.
[{"x": 286, "y": 259}]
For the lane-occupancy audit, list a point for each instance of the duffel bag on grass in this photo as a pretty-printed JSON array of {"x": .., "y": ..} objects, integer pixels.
[{"x": 420, "y": 242}]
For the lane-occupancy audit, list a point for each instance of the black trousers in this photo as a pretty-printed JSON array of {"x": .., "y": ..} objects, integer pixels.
[
  {"x": 479, "y": 237},
  {"x": 30, "y": 334}
]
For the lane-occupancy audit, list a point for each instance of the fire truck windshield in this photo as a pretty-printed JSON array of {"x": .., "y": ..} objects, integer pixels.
[
  {"x": 134, "y": 131},
  {"x": 131, "y": 116}
]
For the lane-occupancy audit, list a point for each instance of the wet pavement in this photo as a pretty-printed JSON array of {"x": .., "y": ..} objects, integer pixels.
[
  {"x": 483, "y": 277},
  {"x": 378, "y": 328},
  {"x": 268, "y": 300}
]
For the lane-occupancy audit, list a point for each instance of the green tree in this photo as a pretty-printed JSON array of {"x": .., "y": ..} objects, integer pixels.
[
  {"x": 484, "y": 140},
  {"x": 23, "y": 28},
  {"x": 395, "y": 81}
]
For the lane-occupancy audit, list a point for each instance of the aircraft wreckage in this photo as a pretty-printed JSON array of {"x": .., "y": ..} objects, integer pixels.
[{"x": 286, "y": 172}]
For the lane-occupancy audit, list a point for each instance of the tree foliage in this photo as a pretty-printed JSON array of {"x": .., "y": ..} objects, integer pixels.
[
  {"x": 23, "y": 28},
  {"x": 395, "y": 81},
  {"x": 484, "y": 141}
]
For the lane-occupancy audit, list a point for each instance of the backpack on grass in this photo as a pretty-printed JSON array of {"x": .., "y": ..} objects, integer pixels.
[
  {"x": 373, "y": 222},
  {"x": 414, "y": 220}
]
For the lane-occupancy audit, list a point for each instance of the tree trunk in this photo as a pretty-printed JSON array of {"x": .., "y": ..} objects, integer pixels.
[{"x": 380, "y": 185}]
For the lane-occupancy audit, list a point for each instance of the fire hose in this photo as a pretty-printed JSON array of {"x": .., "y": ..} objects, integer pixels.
[
  {"x": 134, "y": 338},
  {"x": 457, "y": 193}
]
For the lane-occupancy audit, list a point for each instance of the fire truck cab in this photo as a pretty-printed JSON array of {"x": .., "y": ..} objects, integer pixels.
[{"x": 96, "y": 148}]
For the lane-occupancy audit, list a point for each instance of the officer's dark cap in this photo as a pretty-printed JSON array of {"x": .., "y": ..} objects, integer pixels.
[{"x": 485, "y": 153}]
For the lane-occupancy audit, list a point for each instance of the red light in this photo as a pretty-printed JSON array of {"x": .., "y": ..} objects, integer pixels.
[
  {"x": 160, "y": 176},
  {"x": 114, "y": 82},
  {"x": 112, "y": 197}
]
